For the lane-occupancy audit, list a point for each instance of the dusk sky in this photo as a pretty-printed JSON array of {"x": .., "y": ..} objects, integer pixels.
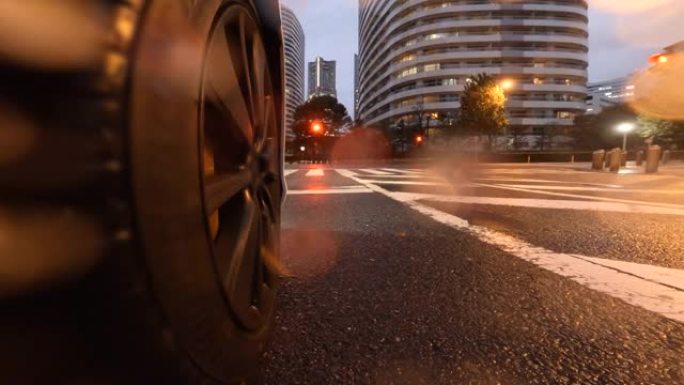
[{"x": 623, "y": 33}]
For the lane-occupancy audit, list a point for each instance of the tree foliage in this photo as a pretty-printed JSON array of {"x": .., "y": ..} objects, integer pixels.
[
  {"x": 594, "y": 131},
  {"x": 599, "y": 130},
  {"x": 482, "y": 107},
  {"x": 663, "y": 132},
  {"x": 324, "y": 109}
]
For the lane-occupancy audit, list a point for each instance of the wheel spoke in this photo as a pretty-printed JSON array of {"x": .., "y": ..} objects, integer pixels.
[
  {"x": 224, "y": 87},
  {"x": 259, "y": 88},
  {"x": 219, "y": 189},
  {"x": 240, "y": 45},
  {"x": 245, "y": 258}
]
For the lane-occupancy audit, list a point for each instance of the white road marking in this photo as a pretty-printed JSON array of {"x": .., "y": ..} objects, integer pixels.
[
  {"x": 652, "y": 290},
  {"x": 408, "y": 182},
  {"x": 290, "y": 172},
  {"x": 591, "y": 189},
  {"x": 544, "y": 203},
  {"x": 596, "y": 198},
  {"x": 315, "y": 172},
  {"x": 657, "y": 274},
  {"x": 525, "y": 171},
  {"x": 517, "y": 180},
  {"x": 401, "y": 176},
  {"x": 398, "y": 171},
  {"x": 332, "y": 191},
  {"x": 375, "y": 172}
]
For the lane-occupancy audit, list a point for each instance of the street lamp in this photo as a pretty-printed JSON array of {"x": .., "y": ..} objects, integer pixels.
[
  {"x": 507, "y": 84},
  {"x": 624, "y": 129}
]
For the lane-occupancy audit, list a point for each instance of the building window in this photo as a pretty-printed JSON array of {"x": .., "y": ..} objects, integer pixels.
[
  {"x": 431, "y": 67},
  {"x": 408, "y": 72},
  {"x": 408, "y": 57},
  {"x": 434, "y": 36}
]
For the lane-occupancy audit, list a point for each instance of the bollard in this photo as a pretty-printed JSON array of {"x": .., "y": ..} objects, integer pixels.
[
  {"x": 623, "y": 158},
  {"x": 615, "y": 159},
  {"x": 640, "y": 158},
  {"x": 572, "y": 159},
  {"x": 666, "y": 157},
  {"x": 653, "y": 159},
  {"x": 529, "y": 159},
  {"x": 597, "y": 159}
]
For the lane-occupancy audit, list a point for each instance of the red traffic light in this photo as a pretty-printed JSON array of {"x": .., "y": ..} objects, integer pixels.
[
  {"x": 316, "y": 128},
  {"x": 419, "y": 139}
]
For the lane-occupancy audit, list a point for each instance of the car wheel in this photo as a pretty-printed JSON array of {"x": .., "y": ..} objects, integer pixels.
[{"x": 141, "y": 205}]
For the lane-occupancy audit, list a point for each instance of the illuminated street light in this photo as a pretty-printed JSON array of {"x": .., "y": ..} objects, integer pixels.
[
  {"x": 624, "y": 129},
  {"x": 507, "y": 84},
  {"x": 419, "y": 139}
]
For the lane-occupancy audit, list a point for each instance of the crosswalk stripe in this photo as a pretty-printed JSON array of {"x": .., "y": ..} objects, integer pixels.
[
  {"x": 290, "y": 172},
  {"x": 591, "y": 189},
  {"x": 375, "y": 172},
  {"x": 408, "y": 182},
  {"x": 590, "y": 197},
  {"x": 332, "y": 191},
  {"x": 396, "y": 170},
  {"x": 315, "y": 172}
]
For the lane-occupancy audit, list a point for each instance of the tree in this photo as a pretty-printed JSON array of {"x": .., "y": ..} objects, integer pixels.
[
  {"x": 663, "y": 132},
  {"x": 593, "y": 131},
  {"x": 482, "y": 108},
  {"x": 323, "y": 109}
]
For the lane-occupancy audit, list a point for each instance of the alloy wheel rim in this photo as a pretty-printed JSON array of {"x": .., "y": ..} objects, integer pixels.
[{"x": 239, "y": 165}]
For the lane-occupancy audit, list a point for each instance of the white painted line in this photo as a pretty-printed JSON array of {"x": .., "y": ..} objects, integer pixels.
[
  {"x": 408, "y": 183},
  {"x": 523, "y": 171},
  {"x": 290, "y": 172},
  {"x": 521, "y": 180},
  {"x": 315, "y": 172},
  {"x": 651, "y": 291},
  {"x": 603, "y": 199},
  {"x": 594, "y": 189},
  {"x": 401, "y": 176},
  {"x": 331, "y": 191},
  {"x": 616, "y": 207},
  {"x": 375, "y": 172},
  {"x": 398, "y": 171},
  {"x": 658, "y": 274}
]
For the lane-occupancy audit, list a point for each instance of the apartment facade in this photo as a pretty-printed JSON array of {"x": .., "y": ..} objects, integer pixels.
[{"x": 420, "y": 54}]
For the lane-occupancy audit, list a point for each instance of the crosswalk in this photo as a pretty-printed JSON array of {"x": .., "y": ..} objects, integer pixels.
[
  {"x": 523, "y": 187},
  {"x": 658, "y": 289}
]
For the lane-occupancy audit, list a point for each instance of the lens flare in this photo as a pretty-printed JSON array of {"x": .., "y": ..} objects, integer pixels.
[{"x": 659, "y": 91}]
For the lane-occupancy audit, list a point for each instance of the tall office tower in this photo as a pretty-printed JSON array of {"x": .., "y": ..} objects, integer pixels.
[{"x": 322, "y": 77}]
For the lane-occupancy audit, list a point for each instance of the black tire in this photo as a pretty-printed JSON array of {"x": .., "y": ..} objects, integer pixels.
[{"x": 140, "y": 209}]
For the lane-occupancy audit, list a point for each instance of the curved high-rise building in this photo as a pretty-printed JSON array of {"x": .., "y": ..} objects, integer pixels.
[
  {"x": 418, "y": 54},
  {"x": 293, "y": 37}
]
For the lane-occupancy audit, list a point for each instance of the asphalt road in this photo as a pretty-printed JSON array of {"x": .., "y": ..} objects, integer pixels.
[{"x": 512, "y": 275}]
